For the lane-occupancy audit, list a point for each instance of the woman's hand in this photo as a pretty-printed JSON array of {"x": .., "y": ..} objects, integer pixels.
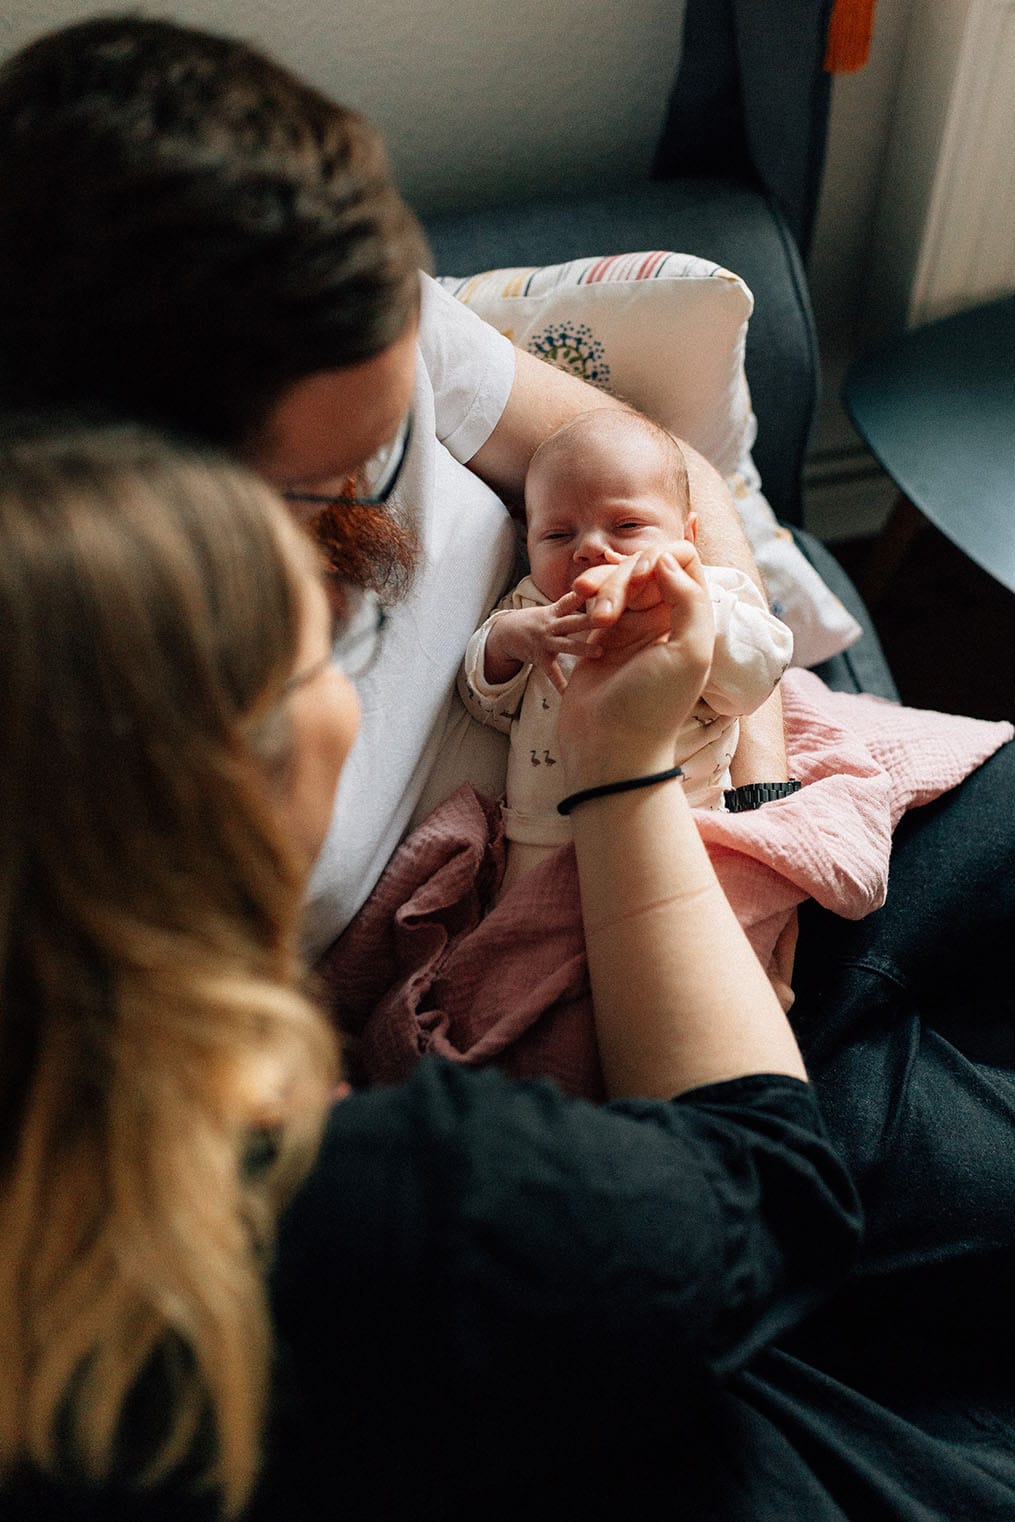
[
  {"x": 652, "y": 617},
  {"x": 678, "y": 995}
]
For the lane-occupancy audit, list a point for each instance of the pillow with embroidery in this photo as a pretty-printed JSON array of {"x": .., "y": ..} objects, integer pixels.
[{"x": 666, "y": 332}]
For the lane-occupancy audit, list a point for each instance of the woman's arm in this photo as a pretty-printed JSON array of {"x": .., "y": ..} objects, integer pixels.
[
  {"x": 680, "y": 998},
  {"x": 761, "y": 752}
]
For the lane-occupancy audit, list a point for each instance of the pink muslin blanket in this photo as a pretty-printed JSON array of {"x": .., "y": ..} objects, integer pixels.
[{"x": 430, "y": 963}]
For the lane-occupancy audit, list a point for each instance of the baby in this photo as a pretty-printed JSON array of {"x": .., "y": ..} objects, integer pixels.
[{"x": 518, "y": 662}]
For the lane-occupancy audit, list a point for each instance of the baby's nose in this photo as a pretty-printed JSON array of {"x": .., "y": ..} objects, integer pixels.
[{"x": 590, "y": 547}]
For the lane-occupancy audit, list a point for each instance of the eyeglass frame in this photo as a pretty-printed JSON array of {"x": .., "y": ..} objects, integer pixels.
[
  {"x": 330, "y": 499},
  {"x": 340, "y": 657}
]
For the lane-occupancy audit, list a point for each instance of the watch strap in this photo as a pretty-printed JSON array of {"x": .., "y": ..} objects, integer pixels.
[{"x": 740, "y": 800}]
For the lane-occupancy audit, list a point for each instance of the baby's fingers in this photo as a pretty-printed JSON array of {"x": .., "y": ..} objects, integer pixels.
[
  {"x": 574, "y": 623},
  {"x": 579, "y": 645}
]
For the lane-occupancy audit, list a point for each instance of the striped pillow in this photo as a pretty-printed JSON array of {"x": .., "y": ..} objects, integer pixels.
[{"x": 666, "y": 332}]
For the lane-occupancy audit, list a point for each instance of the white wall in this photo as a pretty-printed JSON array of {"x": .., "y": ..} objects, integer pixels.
[
  {"x": 947, "y": 206},
  {"x": 917, "y": 215},
  {"x": 478, "y": 99},
  {"x": 481, "y": 99}
]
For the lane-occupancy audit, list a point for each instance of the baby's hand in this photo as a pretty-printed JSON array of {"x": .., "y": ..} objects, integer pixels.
[{"x": 537, "y": 637}]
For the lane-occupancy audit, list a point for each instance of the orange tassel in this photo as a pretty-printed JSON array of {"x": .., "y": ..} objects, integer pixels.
[{"x": 849, "y": 36}]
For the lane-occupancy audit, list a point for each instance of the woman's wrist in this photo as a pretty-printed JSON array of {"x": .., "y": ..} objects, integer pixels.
[
  {"x": 601, "y": 767},
  {"x": 679, "y": 997},
  {"x": 623, "y": 785}
]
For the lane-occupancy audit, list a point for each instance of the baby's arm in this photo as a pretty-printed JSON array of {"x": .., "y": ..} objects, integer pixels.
[
  {"x": 752, "y": 646},
  {"x": 493, "y": 705}
]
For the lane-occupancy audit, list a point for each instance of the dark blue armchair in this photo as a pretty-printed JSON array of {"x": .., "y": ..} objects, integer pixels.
[{"x": 736, "y": 178}]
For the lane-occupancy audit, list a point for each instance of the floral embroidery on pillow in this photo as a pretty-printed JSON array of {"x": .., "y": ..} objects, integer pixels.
[{"x": 575, "y": 348}]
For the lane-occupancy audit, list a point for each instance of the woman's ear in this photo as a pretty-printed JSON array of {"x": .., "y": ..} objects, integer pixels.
[{"x": 691, "y": 528}]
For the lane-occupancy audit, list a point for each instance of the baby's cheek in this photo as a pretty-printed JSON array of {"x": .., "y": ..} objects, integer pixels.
[{"x": 553, "y": 575}]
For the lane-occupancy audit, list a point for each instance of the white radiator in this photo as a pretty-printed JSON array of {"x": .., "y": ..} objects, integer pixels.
[{"x": 946, "y": 225}]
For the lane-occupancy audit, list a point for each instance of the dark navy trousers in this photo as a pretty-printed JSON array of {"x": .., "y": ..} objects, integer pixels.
[{"x": 907, "y": 1024}]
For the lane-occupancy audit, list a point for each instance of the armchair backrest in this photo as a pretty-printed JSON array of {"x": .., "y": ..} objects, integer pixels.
[
  {"x": 736, "y": 179},
  {"x": 750, "y": 102}
]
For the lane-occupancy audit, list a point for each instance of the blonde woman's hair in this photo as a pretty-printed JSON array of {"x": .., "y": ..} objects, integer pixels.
[{"x": 162, "y": 1075}]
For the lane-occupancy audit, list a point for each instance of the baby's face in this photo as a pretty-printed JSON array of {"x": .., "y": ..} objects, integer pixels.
[{"x": 574, "y": 525}]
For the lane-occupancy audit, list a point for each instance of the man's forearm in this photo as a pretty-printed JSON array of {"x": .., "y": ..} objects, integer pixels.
[
  {"x": 721, "y": 540},
  {"x": 761, "y": 752},
  {"x": 542, "y": 399}
]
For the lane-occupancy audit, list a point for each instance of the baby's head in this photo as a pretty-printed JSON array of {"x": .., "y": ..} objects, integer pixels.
[{"x": 607, "y": 484}]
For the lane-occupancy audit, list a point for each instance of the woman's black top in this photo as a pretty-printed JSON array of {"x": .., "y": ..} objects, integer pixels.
[
  {"x": 485, "y": 1293},
  {"x": 492, "y": 1302}
]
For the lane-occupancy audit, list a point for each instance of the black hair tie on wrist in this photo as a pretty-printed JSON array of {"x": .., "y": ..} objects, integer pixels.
[{"x": 627, "y": 786}]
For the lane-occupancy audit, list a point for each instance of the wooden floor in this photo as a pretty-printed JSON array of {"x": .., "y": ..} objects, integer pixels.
[{"x": 948, "y": 629}]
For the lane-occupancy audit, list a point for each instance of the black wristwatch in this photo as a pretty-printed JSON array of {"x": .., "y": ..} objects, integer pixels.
[{"x": 739, "y": 800}]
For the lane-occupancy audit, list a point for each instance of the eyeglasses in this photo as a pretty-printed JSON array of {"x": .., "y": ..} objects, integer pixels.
[
  {"x": 354, "y": 647},
  {"x": 372, "y": 482},
  {"x": 358, "y": 644}
]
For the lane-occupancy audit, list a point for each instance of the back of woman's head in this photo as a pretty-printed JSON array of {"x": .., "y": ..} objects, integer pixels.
[
  {"x": 150, "y": 601},
  {"x": 186, "y": 228},
  {"x": 150, "y": 1017}
]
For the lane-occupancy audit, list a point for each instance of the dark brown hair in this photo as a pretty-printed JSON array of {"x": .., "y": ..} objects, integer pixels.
[{"x": 186, "y": 228}]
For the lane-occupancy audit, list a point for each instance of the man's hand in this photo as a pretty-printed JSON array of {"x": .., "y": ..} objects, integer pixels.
[{"x": 537, "y": 637}]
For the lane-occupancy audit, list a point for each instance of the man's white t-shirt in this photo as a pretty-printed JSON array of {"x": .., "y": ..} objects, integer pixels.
[{"x": 417, "y": 743}]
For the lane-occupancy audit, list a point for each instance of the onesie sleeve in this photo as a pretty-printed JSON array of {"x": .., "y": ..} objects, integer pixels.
[
  {"x": 491, "y": 703},
  {"x": 471, "y": 367},
  {"x": 753, "y": 648}
]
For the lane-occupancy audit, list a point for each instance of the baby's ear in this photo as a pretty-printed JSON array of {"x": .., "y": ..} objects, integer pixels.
[{"x": 691, "y": 528}]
